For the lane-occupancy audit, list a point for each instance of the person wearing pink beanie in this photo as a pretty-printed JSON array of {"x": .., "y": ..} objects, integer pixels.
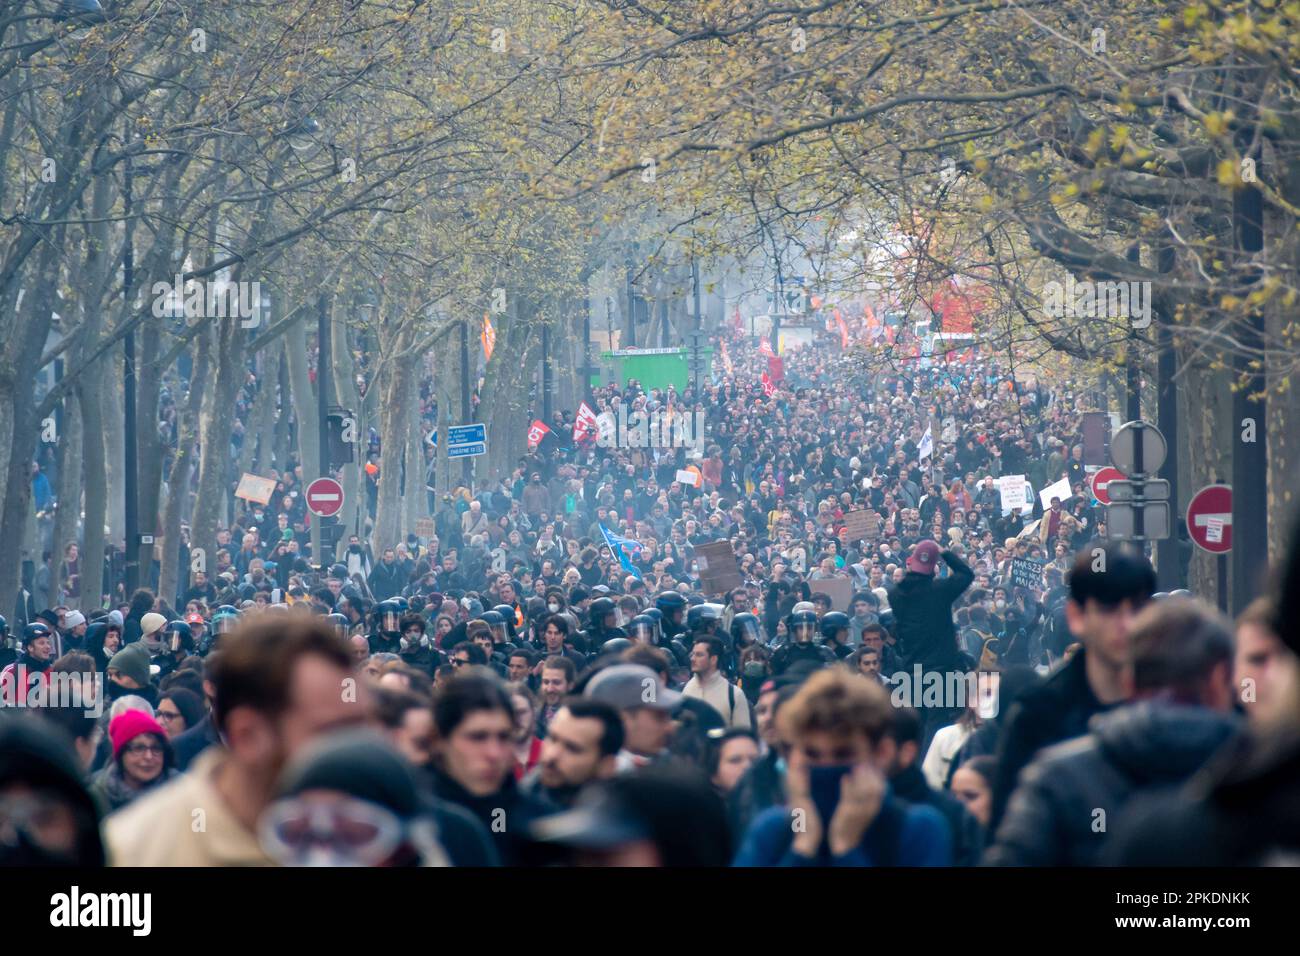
[{"x": 142, "y": 760}]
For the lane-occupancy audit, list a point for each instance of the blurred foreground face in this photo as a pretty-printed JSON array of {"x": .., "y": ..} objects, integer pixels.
[
  {"x": 571, "y": 751},
  {"x": 328, "y": 828},
  {"x": 738, "y": 755},
  {"x": 646, "y": 730},
  {"x": 970, "y": 788},
  {"x": 480, "y": 751},
  {"x": 764, "y": 710},
  {"x": 1263, "y": 668},
  {"x": 1103, "y": 630},
  {"x": 639, "y": 853},
  {"x": 39, "y": 817}
]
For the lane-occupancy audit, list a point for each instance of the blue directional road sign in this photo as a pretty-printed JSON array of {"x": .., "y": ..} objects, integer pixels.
[{"x": 466, "y": 441}]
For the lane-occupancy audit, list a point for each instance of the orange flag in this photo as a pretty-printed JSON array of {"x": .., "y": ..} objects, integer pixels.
[{"x": 489, "y": 338}]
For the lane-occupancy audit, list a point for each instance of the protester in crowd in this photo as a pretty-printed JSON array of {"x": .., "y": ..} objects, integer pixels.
[
  {"x": 142, "y": 760},
  {"x": 1108, "y": 586},
  {"x": 1179, "y": 682},
  {"x": 276, "y": 686},
  {"x": 837, "y": 731}
]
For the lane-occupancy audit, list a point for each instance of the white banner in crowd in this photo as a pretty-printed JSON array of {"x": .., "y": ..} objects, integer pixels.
[
  {"x": 1015, "y": 493},
  {"x": 1059, "y": 490}
]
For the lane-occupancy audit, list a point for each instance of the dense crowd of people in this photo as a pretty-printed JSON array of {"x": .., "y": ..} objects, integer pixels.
[{"x": 556, "y": 677}]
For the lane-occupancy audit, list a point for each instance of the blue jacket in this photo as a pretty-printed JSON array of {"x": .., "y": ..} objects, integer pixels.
[{"x": 902, "y": 834}]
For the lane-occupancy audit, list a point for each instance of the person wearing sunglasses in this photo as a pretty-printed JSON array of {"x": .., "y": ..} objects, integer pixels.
[{"x": 142, "y": 760}]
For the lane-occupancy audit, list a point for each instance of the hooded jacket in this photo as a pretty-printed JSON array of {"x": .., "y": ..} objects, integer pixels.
[
  {"x": 1061, "y": 812},
  {"x": 922, "y": 608}
]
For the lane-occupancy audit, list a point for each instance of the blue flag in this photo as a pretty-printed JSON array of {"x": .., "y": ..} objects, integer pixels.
[{"x": 616, "y": 544}]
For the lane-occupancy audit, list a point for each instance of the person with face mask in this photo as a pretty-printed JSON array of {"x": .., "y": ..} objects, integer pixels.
[
  {"x": 836, "y": 729},
  {"x": 416, "y": 646},
  {"x": 386, "y": 628}
]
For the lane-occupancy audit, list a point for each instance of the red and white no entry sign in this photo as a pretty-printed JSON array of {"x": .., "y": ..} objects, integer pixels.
[
  {"x": 1101, "y": 479},
  {"x": 324, "y": 497},
  {"x": 1209, "y": 518}
]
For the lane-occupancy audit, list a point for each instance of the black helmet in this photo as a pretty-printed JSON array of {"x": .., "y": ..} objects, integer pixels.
[
  {"x": 803, "y": 627},
  {"x": 657, "y": 616},
  {"x": 508, "y": 615},
  {"x": 616, "y": 645},
  {"x": 671, "y": 604},
  {"x": 600, "y": 609},
  {"x": 388, "y": 617},
  {"x": 643, "y": 629},
  {"x": 402, "y": 603},
  {"x": 746, "y": 630},
  {"x": 35, "y": 631},
  {"x": 340, "y": 624},
  {"x": 179, "y": 636},
  {"x": 832, "y": 623},
  {"x": 496, "y": 624},
  {"x": 703, "y": 617}
]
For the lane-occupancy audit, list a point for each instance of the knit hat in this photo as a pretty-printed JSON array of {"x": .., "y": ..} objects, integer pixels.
[
  {"x": 133, "y": 662},
  {"x": 153, "y": 621},
  {"x": 360, "y": 763},
  {"x": 115, "y": 616},
  {"x": 73, "y": 619},
  {"x": 128, "y": 725}
]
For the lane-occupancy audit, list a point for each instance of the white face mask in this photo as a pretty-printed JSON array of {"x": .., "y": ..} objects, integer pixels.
[
  {"x": 999, "y": 604},
  {"x": 553, "y": 608}
]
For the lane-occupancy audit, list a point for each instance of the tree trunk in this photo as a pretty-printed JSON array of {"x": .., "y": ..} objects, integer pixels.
[
  {"x": 68, "y": 515},
  {"x": 172, "y": 576},
  {"x": 394, "y": 430},
  {"x": 214, "y": 434}
]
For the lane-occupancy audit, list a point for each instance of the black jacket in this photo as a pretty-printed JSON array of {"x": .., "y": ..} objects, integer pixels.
[
  {"x": 790, "y": 653},
  {"x": 194, "y": 740},
  {"x": 507, "y": 815},
  {"x": 1055, "y": 816},
  {"x": 1241, "y": 809},
  {"x": 967, "y": 839},
  {"x": 386, "y": 580},
  {"x": 922, "y": 608},
  {"x": 1057, "y": 710},
  {"x": 760, "y": 787}
]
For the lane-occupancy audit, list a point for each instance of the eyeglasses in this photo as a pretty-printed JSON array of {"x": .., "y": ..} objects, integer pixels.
[
  {"x": 140, "y": 750},
  {"x": 459, "y": 662},
  {"x": 169, "y": 714}
]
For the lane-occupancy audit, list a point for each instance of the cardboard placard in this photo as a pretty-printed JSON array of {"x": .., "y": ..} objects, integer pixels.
[
  {"x": 863, "y": 525},
  {"x": 716, "y": 562},
  {"x": 840, "y": 591},
  {"x": 425, "y": 528},
  {"x": 255, "y": 488}
]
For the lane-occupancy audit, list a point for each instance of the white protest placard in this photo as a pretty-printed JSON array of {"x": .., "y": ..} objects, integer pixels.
[
  {"x": 1013, "y": 491},
  {"x": 688, "y": 477},
  {"x": 1060, "y": 489},
  {"x": 1214, "y": 530}
]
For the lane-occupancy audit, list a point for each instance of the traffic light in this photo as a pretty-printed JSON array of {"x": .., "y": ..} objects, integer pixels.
[{"x": 342, "y": 427}]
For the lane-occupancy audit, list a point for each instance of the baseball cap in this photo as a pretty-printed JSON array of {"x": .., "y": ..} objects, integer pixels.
[
  {"x": 923, "y": 558},
  {"x": 625, "y": 686},
  {"x": 194, "y": 617}
]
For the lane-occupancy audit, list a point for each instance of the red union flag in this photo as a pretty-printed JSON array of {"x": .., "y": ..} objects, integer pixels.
[
  {"x": 584, "y": 426},
  {"x": 536, "y": 432},
  {"x": 765, "y": 347},
  {"x": 768, "y": 387}
]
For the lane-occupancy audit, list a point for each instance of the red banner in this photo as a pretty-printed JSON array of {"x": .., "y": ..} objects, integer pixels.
[{"x": 536, "y": 432}]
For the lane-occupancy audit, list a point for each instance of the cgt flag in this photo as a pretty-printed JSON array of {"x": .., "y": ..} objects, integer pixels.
[
  {"x": 766, "y": 382},
  {"x": 584, "y": 424},
  {"x": 765, "y": 347},
  {"x": 616, "y": 545}
]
